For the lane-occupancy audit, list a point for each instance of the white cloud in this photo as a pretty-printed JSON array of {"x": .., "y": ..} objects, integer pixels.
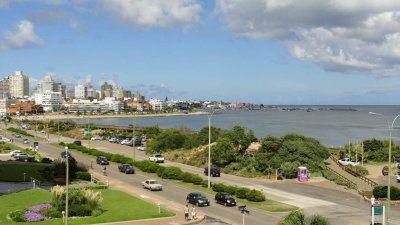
[
  {"x": 22, "y": 37},
  {"x": 154, "y": 13},
  {"x": 345, "y": 36}
]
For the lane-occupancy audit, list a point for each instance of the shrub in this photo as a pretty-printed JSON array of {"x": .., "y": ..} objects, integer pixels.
[
  {"x": 52, "y": 213},
  {"x": 242, "y": 192},
  {"x": 80, "y": 210},
  {"x": 255, "y": 196},
  {"x": 83, "y": 175},
  {"x": 18, "y": 216},
  {"x": 359, "y": 169},
  {"x": 231, "y": 189},
  {"x": 172, "y": 173},
  {"x": 160, "y": 171},
  {"x": 317, "y": 220},
  {"x": 46, "y": 160},
  {"x": 381, "y": 192},
  {"x": 218, "y": 187}
]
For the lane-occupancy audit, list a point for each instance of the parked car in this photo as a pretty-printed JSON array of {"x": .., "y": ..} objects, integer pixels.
[
  {"x": 158, "y": 158},
  {"x": 225, "y": 199},
  {"x": 96, "y": 138},
  {"x": 126, "y": 168},
  {"x": 347, "y": 161},
  {"x": 214, "y": 171},
  {"x": 102, "y": 160},
  {"x": 26, "y": 141},
  {"x": 15, "y": 152},
  {"x": 113, "y": 140},
  {"x": 77, "y": 142},
  {"x": 65, "y": 154},
  {"x": 196, "y": 198},
  {"x": 152, "y": 185},
  {"x": 125, "y": 141},
  {"x": 17, "y": 135},
  {"x": 141, "y": 148}
]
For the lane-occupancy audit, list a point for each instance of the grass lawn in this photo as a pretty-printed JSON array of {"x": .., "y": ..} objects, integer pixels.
[
  {"x": 119, "y": 206},
  {"x": 13, "y": 171}
]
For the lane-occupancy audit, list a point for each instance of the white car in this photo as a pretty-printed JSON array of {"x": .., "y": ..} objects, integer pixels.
[
  {"x": 96, "y": 138},
  {"x": 152, "y": 185},
  {"x": 26, "y": 141},
  {"x": 347, "y": 161},
  {"x": 141, "y": 148},
  {"x": 15, "y": 152},
  {"x": 158, "y": 158},
  {"x": 125, "y": 142}
]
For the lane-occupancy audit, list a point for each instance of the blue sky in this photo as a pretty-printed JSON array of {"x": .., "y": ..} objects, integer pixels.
[{"x": 261, "y": 51}]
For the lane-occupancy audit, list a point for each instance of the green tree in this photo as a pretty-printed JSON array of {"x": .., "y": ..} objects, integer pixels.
[
  {"x": 152, "y": 131},
  {"x": 223, "y": 152},
  {"x": 271, "y": 144}
]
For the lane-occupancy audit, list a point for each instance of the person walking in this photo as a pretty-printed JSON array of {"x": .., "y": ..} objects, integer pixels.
[
  {"x": 194, "y": 213},
  {"x": 104, "y": 171},
  {"x": 186, "y": 211}
]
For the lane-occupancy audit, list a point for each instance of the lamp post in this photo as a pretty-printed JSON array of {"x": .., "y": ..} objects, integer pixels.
[
  {"x": 209, "y": 148},
  {"x": 66, "y": 188},
  {"x": 133, "y": 141},
  {"x": 390, "y": 127}
]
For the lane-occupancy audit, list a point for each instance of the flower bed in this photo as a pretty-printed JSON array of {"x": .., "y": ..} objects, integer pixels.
[{"x": 32, "y": 214}]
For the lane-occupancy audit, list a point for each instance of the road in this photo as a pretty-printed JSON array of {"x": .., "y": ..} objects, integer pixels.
[{"x": 341, "y": 207}]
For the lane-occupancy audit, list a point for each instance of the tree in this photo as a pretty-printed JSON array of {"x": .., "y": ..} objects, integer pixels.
[
  {"x": 223, "y": 152},
  {"x": 271, "y": 144},
  {"x": 239, "y": 138}
]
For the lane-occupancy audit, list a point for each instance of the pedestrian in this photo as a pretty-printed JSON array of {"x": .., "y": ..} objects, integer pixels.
[
  {"x": 104, "y": 171},
  {"x": 186, "y": 211},
  {"x": 194, "y": 213},
  {"x": 372, "y": 200}
]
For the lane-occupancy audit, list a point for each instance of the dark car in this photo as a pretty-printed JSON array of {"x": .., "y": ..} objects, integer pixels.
[
  {"x": 214, "y": 171},
  {"x": 78, "y": 142},
  {"x": 102, "y": 160},
  {"x": 198, "y": 199},
  {"x": 225, "y": 199},
  {"x": 126, "y": 168},
  {"x": 65, "y": 154}
]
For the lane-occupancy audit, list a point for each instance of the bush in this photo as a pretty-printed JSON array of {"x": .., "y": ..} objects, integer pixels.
[
  {"x": 255, "y": 196},
  {"x": 83, "y": 175},
  {"x": 80, "y": 210},
  {"x": 381, "y": 192},
  {"x": 231, "y": 189},
  {"x": 317, "y": 220},
  {"x": 218, "y": 187},
  {"x": 46, "y": 160},
  {"x": 18, "y": 216},
  {"x": 160, "y": 171},
  {"x": 52, "y": 213},
  {"x": 172, "y": 173},
  {"x": 359, "y": 169},
  {"x": 242, "y": 192}
]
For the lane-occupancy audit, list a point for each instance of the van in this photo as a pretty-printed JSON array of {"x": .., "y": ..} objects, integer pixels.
[{"x": 214, "y": 171}]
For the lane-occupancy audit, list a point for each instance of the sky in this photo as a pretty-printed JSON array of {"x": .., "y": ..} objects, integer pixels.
[{"x": 303, "y": 52}]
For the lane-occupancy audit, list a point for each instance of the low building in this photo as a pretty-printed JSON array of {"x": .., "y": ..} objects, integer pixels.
[
  {"x": 22, "y": 107},
  {"x": 158, "y": 105}
]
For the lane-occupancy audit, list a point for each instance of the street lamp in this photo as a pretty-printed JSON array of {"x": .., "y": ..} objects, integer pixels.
[
  {"x": 133, "y": 141},
  {"x": 390, "y": 127},
  {"x": 66, "y": 189},
  {"x": 209, "y": 148}
]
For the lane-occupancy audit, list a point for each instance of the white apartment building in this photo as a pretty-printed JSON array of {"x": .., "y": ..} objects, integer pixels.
[
  {"x": 49, "y": 100},
  {"x": 157, "y": 105},
  {"x": 46, "y": 85},
  {"x": 95, "y": 106},
  {"x": 81, "y": 91},
  {"x": 115, "y": 105},
  {"x": 19, "y": 85},
  {"x": 4, "y": 104},
  {"x": 118, "y": 92}
]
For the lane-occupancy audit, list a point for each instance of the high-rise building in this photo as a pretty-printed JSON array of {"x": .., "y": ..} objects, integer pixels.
[
  {"x": 70, "y": 93},
  {"x": 118, "y": 93},
  {"x": 5, "y": 87},
  {"x": 80, "y": 91},
  {"x": 106, "y": 90},
  {"x": 127, "y": 94},
  {"x": 19, "y": 85},
  {"x": 46, "y": 85},
  {"x": 62, "y": 89},
  {"x": 91, "y": 92}
]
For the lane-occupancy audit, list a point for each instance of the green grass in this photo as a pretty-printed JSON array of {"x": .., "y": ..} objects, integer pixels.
[
  {"x": 13, "y": 171},
  {"x": 119, "y": 206}
]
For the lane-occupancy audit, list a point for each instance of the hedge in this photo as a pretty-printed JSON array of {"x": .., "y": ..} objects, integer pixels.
[
  {"x": 381, "y": 192},
  {"x": 12, "y": 129},
  {"x": 83, "y": 175}
]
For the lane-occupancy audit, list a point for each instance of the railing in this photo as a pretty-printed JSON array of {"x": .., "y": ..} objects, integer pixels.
[
  {"x": 350, "y": 183},
  {"x": 354, "y": 173}
]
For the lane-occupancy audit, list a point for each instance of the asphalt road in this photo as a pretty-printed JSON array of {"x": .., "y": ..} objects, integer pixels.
[
  {"x": 171, "y": 192},
  {"x": 340, "y": 207}
]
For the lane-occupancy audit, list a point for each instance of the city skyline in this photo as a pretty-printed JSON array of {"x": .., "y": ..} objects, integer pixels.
[{"x": 259, "y": 51}]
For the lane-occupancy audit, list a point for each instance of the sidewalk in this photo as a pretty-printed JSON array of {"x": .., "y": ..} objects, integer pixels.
[{"x": 154, "y": 199}]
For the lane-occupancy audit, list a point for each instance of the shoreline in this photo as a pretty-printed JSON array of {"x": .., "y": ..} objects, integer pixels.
[{"x": 73, "y": 116}]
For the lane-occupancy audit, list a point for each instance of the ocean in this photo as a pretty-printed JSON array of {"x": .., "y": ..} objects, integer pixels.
[{"x": 331, "y": 125}]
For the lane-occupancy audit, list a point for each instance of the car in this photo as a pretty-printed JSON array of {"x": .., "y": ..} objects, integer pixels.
[
  {"x": 24, "y": 156},
  {"x": 43, "y": 131},
  {"x": 197, "y": 198},
  {"x": 347, "y": 161},
  {"x": 77, "y": 142},
  {"x": 398, "y": 178},
  {"x": 125, "y": 141},
  {"x": 17, "y": 135},
  {"x": 141, "y": 148},
  {"x": 102, "y": 160},
  {"x": 158, "y": 158},
  {"x": 15, "y": 152},
  {"x": 126, "y": 168},
  {"x": 152, "y": 185},
  {"x": 214, "y": 171},
  {"x": 65, "y": 154},
  {"x": 96, "y": 138},
  {"x": 113, "y": 140},
  {"x": 26, "y": 141},
  {"x": 225, "y": 199}
]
